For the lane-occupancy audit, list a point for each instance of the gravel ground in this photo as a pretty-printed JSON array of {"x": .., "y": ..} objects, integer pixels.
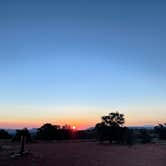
[{"x": 86, "y": 154}]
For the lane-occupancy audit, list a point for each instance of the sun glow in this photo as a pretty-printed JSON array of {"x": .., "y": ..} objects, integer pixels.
[{"x": 74, "y": 127}]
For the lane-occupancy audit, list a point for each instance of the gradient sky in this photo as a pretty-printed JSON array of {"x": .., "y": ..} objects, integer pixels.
[{"x": 74, "y": 61}]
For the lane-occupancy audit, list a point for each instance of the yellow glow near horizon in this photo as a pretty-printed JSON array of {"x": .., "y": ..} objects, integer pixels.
[{"x": 82, "y": 117}]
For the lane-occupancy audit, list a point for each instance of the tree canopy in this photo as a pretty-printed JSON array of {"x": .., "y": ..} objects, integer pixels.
[
  {"x": 113, "y": 119},
  {"x": 4, "y": 134}
]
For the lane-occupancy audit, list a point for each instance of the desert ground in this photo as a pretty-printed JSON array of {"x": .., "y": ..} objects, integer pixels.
[{"x": 85, "y": 154}]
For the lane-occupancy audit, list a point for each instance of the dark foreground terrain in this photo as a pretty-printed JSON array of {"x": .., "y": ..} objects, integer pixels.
[{"x": 86, "y": 154}]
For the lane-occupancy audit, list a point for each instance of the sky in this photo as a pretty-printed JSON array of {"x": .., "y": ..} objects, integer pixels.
[{"x": 71, "y": 62}]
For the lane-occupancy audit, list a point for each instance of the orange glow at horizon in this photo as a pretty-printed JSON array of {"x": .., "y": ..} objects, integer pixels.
[
  {"x": 36, "y": 124},
  {"x": 83, "y": 124},
  {"x": 81, "y": 117}
]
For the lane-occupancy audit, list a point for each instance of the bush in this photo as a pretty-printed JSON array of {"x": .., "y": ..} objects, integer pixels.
[
  {"x": 145, "y": 136},
  {"x": 24, "y": 132},
  {"x": 4, "y": 134},
  {"x": 161, "y": 131}
]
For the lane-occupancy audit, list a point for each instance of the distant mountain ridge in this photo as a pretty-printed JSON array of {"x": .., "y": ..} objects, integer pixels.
[
  {"x": 142, "y": 127},
  {"x": 13, "y": 131},
  {"x": 132, "y": 127}
]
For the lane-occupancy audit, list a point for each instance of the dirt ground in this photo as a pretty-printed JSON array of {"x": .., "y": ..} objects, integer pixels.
[{"x": 85, "y": 154}]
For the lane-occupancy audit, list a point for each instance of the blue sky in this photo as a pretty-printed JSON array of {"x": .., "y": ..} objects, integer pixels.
[{"x": 82, "y": 54}]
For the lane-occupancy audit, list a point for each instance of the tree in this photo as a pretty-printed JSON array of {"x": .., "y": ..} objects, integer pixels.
[
  {"x": 114, "y": 119},
  {"x": 161, "y": 130},
  {"x": 145, "y": 136},
  {"x": 102, "y": 131},
  {"x": 4, "y": 134},
  {"x": 65, "y": 133},
  {"x": 111, "y": 128},
  {"x": 48, "y": 131},
  {"x": 23, "y": 132}
]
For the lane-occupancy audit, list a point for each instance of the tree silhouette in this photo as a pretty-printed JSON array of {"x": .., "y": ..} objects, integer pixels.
[
  {"x": 161, "y": 130},
  {"x": 4, "y": 134},
  {"x": 48, "y": 131},
  {"x": 113, "y": 119},
  {"x": 23, "y": 132},
  {"x": 145, "y": 136},
  {"x": 102, "y": 131},
  {"x": 111, "y": 128}
]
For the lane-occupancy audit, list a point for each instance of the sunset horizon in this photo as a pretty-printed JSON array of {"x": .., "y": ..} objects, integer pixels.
[
  {"x": 74, "y": 62},
  {"x": 82, "y": 83},
  {"x": 81, "y": 121}
]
